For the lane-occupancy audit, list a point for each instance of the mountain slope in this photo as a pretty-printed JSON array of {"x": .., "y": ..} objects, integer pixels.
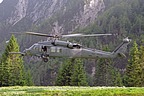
[
  {"x": 120, "y": 17},
  {"x": 63, "y": 16}
]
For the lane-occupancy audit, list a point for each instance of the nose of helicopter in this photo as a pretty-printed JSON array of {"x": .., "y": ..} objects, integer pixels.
[{"x": 26, "y": 51}]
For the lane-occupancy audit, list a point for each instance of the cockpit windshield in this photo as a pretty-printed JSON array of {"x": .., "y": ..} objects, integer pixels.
[
  {"x": 38, "y": 47},
  {"x": 35, "y": 46}
]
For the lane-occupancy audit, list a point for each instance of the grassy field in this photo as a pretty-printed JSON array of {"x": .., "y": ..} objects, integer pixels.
[{"x": 70, "y": 91}]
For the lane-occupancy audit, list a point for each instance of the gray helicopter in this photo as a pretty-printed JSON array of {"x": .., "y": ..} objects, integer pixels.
[{"x": 59, "y": 48}]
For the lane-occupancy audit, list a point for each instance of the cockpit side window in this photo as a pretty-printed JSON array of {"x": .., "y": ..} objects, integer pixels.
[
  {"x": 35, "y": 47},
  {"x": 32, "y": 47}
]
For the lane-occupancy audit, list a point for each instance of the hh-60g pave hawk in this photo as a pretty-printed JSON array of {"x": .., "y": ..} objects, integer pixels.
[{"x": 59, "y": 48}]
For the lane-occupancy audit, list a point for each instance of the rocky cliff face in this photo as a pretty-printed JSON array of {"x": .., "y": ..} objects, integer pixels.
[
  {"x": 53, "y": 16},
  {"x": 67, "y": 14}
]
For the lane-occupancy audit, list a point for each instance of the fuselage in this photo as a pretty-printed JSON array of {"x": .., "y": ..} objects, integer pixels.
[
  {"x": 78, "y": 53},
  {"x": 57, "y": 48},
  {"x": 65, "y": 49}
]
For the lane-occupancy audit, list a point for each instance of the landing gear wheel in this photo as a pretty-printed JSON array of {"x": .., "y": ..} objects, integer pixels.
[{"x": 45, "y": 57}]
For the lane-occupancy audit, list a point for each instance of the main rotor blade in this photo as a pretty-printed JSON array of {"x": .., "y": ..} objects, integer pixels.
[
  {"x": 39, "y": 34},
  {"x": 57, "y": 36},
  {"x": 94, "y": 35},
  {"x": 72, "y": 35},
  {"x": 33, "y": 33},
  {"x": 83, "y": 35}
]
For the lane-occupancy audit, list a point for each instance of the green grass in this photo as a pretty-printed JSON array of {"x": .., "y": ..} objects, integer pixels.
[{"x": 71, "y": 91}]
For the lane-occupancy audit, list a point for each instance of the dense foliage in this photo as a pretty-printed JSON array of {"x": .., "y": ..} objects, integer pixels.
[
  {"x": 134, "y": 71},
  {"x": 11, "y": 66},
  {"x": 106, "y": 74},
  {"x": 72, "y": 73},
  {"x": 122, "y": 18}
]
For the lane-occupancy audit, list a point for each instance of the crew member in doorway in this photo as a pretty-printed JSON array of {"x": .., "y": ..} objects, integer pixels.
[{"x": 44, "y": 48}]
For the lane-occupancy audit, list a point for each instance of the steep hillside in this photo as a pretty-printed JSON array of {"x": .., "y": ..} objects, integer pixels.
[
  {"x": 51, "y": 16},
  {"x": 46, "y": 16}
]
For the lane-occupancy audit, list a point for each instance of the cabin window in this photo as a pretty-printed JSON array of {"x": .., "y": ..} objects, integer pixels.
[
  {"x": 59, "y": 50},
  {"x": 54, "y": 49}
]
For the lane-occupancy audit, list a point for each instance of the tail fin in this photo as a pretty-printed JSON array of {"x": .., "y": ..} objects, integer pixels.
[{"x": 121, "y": 49}]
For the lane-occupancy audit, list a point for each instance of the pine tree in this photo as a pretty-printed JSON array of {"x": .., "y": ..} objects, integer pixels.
[
  {"x": 12, "y": 65},
  {"x": 141, "y": 73},
  {"x": 65, "y": 73},
  {"x": 72, "y": 74},
  {"x": 29, "y": 81},
  {"x": 117, "y": 78},
  {"x": 1, "y": 73},
  {"x": 100, "y": 73},
  {"x": 78, "y": 77},
  {"x": 103, "y": 75},
  {"x": 133, "y": 68},
  {"x": 106, "y": 74}
]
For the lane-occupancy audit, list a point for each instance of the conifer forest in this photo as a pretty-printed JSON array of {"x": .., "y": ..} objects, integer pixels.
[{"x": 122, "y": 18}]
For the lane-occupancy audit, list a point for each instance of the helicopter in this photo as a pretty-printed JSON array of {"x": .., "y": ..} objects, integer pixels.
[{"x": 59, "y": 48}]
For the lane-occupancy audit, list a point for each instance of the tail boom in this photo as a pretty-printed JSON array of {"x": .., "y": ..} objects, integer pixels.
[{"x": 121, "y": 49}]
